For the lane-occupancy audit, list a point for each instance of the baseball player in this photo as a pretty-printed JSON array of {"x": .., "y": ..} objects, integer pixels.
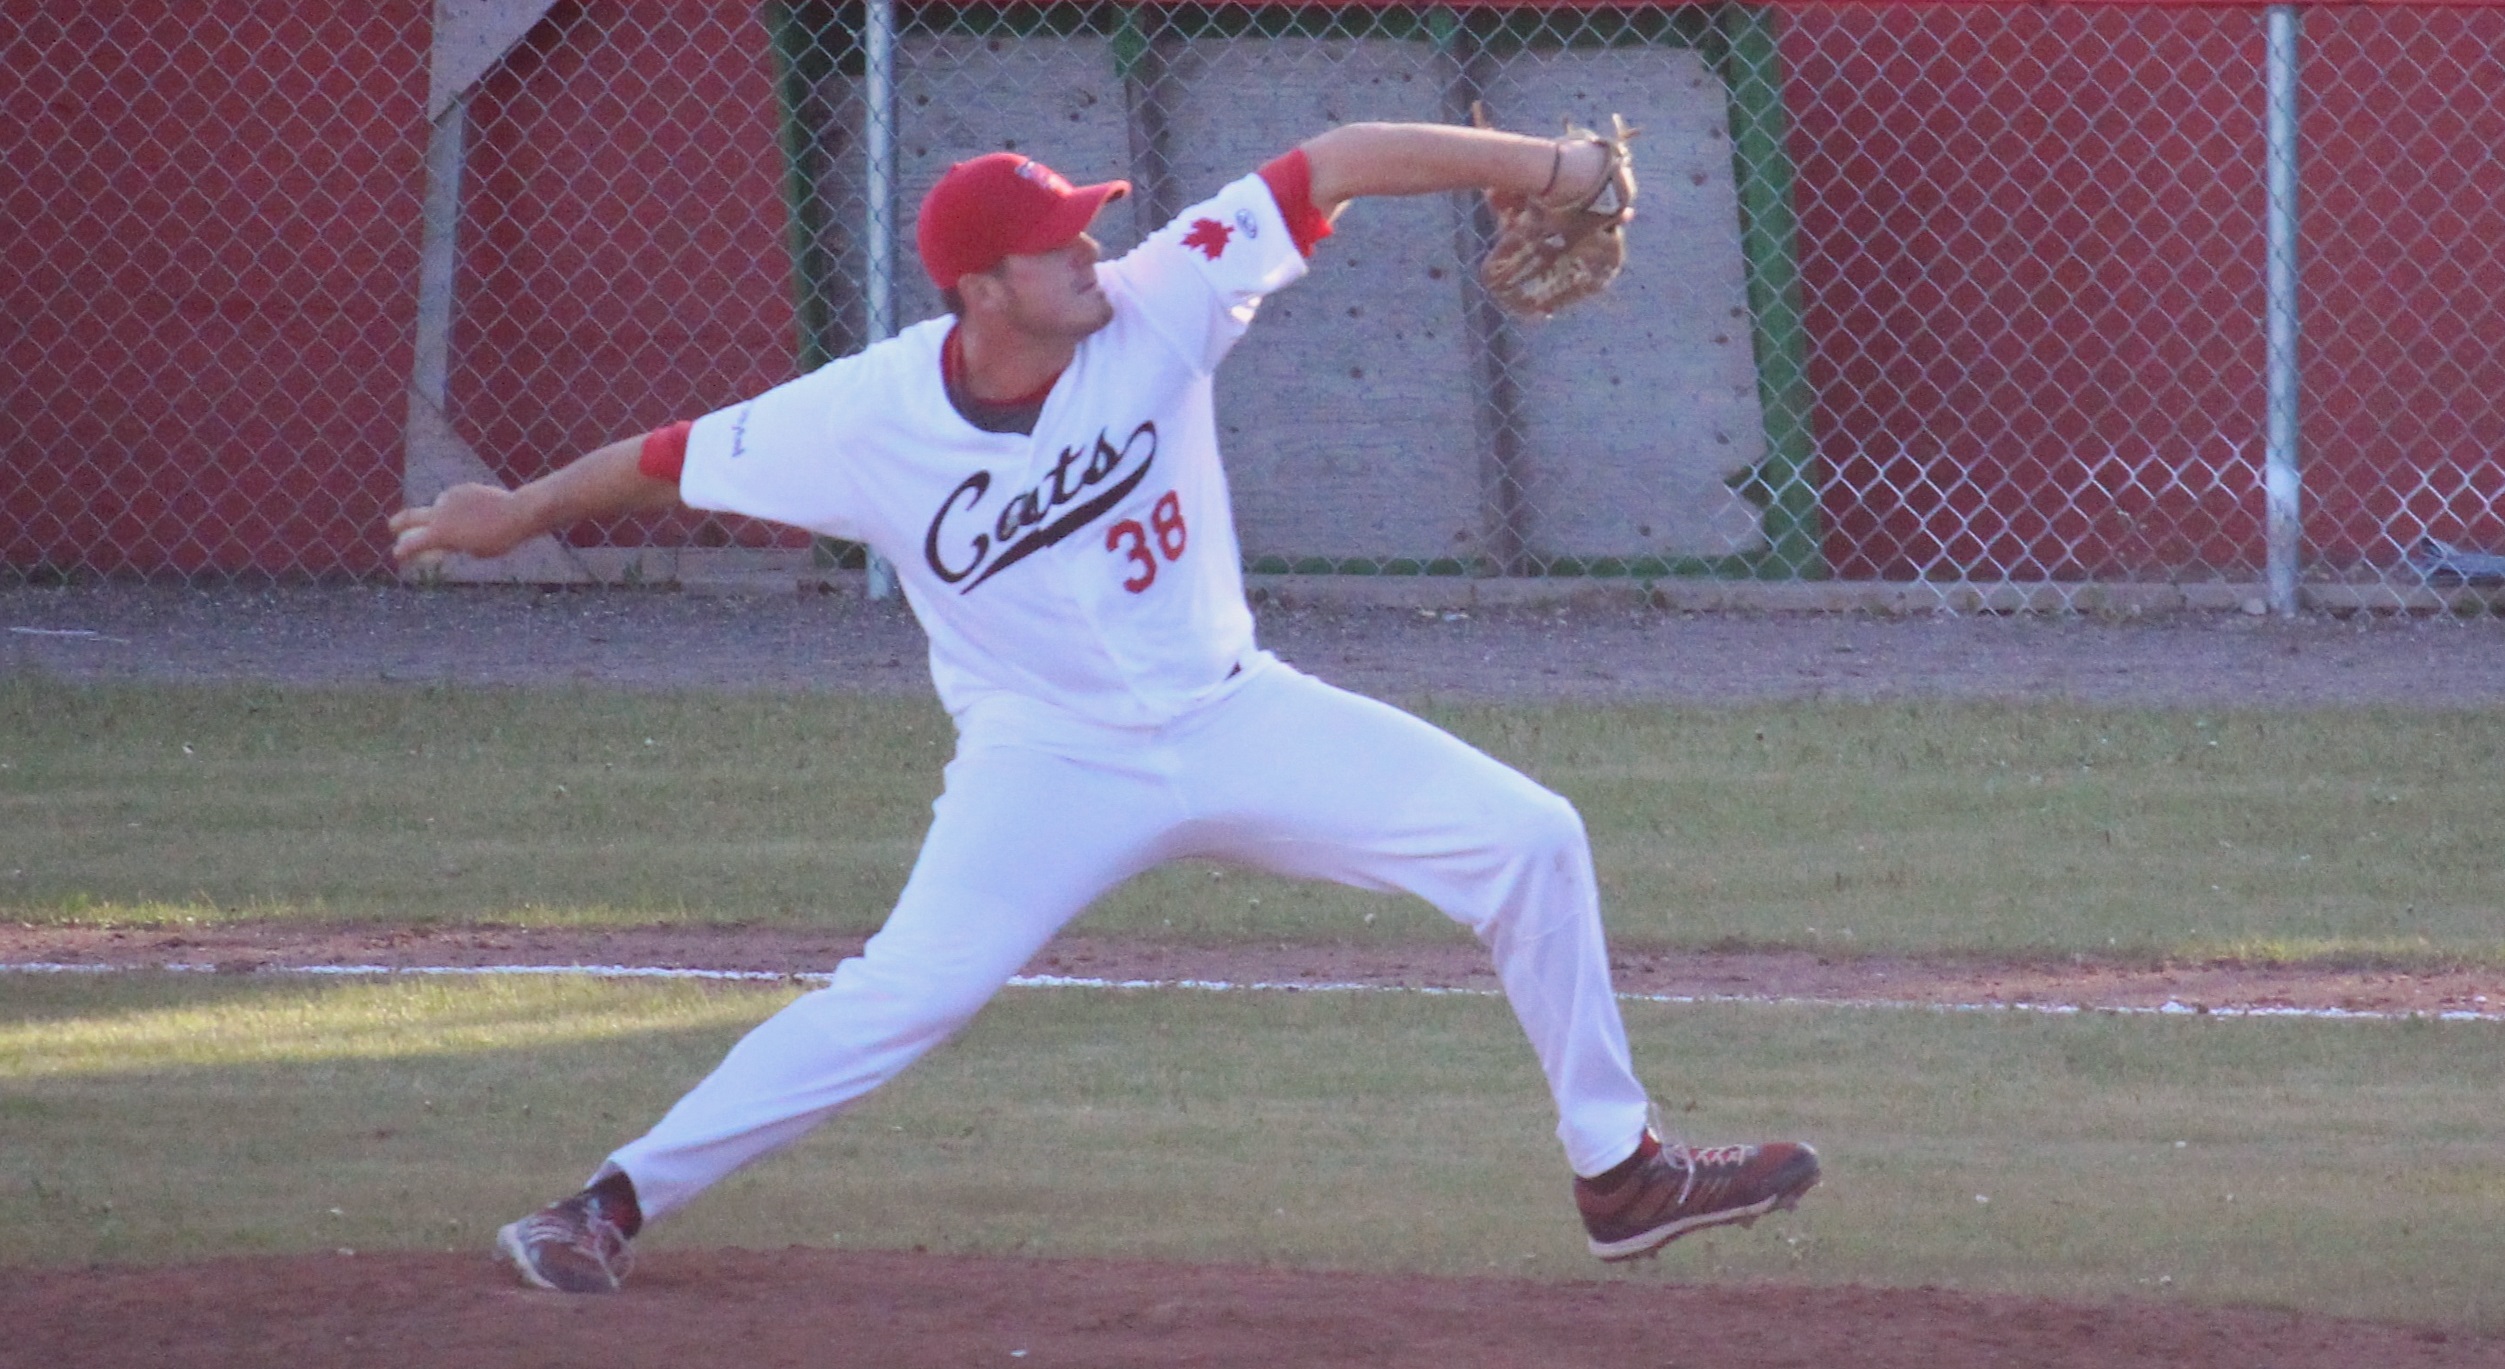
[{"x": 1041, "y": 466}]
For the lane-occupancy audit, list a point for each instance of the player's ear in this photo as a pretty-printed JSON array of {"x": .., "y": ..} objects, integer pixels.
[{"x": 981, "y": 292}]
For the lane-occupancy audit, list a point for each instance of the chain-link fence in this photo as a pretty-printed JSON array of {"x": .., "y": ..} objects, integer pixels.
[{"x": 2005, "y": 303}]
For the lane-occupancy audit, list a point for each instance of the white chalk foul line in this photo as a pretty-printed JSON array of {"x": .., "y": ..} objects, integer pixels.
[
  {"x": 78, "y": 632},
  {"x": 2170, "y": 1008}
]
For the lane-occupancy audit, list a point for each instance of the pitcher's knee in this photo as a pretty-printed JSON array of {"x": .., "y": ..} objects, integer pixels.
[
  {"x": 1542, "y": 824},
  {"x": 1544, "y": 882}
]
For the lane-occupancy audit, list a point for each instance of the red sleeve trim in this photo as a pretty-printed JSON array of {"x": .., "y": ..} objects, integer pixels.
[
  {"x": 1290, "y": 179},
  {"x": 665, "y": 452}
]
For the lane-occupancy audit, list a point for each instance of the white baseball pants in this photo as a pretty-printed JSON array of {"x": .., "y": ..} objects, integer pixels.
[{"x": 1284, "y": 774}]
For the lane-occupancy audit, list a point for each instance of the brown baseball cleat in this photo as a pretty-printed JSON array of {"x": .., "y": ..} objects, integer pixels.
[
  {"x": 577, "y": 1244},
  {"x": 1663, "y": 1192}
]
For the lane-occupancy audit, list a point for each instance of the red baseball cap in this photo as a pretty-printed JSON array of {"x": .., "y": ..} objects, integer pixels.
[{"x": 1002, "y": 204}]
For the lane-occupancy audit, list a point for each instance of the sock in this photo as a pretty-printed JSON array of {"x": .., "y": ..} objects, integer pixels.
[
  {"x": 616, "y": 1195},
  {"x": 1645, "y": 1148}
]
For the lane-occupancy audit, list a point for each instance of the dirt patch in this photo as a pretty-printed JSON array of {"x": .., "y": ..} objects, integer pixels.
[
  {"x": 815, "y": 1307},
  {"x": 243, "y": 947}
]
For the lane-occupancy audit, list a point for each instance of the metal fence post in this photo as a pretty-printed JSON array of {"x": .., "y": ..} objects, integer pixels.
[
  {"x": 1496, "y": 349},
  {"x": 2282, "y": 479},
  {"x": 878, "y": 238}
]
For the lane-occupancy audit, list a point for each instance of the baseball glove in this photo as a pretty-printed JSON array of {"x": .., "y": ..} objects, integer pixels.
[{"x": 1548, "y": 256}]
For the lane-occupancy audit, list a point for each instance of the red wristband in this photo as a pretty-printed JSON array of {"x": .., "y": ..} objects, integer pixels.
[
  {"x": 665, "y": 452},
  {"x": 1290, "y": 178}
]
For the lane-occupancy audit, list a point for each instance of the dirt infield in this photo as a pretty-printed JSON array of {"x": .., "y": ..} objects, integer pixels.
[
  {"x": 759, "y": 1309},
  {"x": 688, "y": 1308}
]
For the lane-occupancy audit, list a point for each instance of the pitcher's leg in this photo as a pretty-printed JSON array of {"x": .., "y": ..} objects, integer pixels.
[
  {"x": 911, "y": 987},
  {"x": 1019, "y": 844},
  {"x": 1540, "y": 917},
  {"x": 1304, "y": 779}
]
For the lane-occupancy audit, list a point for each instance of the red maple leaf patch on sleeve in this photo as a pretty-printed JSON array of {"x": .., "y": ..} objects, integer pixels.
[{"x": 1209, "y": 236}]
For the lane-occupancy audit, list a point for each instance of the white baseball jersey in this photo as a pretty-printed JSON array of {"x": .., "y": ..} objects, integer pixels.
[{"x": 1091, "y": 566}]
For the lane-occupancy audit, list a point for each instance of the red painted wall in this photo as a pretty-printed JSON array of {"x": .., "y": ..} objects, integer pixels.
[
  {"x": 2404, "y": 213},
  {"x": 210, "y": 260},
  {"x": 2032, "y": 246},
  {"x": 210, "y": 284},
  {"x": 612, "y": 282},
  {"x": 2006, "y": 237}
]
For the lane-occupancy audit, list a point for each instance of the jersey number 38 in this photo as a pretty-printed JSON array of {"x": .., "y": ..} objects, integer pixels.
[{"x": 1140, "y": 546}]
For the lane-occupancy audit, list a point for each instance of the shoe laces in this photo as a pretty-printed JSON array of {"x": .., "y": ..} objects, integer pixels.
[
  {"x": 549, "y": 1225},
  {"x": 576, "y": 1221},
  {"x": 1694, "y": 1161}
]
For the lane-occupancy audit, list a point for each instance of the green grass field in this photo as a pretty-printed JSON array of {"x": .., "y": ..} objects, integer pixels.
[
  {"x": 2350, "y": 836},
  {"x": 2339, "y": 1167},
  {"x": 2343, "y": 1167}
]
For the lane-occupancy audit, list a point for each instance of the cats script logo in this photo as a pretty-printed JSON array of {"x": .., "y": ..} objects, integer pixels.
[{"x": 968, "y": 542}]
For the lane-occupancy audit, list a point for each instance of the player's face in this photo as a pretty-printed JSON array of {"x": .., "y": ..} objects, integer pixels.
[{"x": 1054, "y": 294}]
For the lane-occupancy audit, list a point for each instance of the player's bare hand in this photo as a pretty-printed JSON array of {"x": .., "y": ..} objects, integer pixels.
[{"x": 475, "y": 520}]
